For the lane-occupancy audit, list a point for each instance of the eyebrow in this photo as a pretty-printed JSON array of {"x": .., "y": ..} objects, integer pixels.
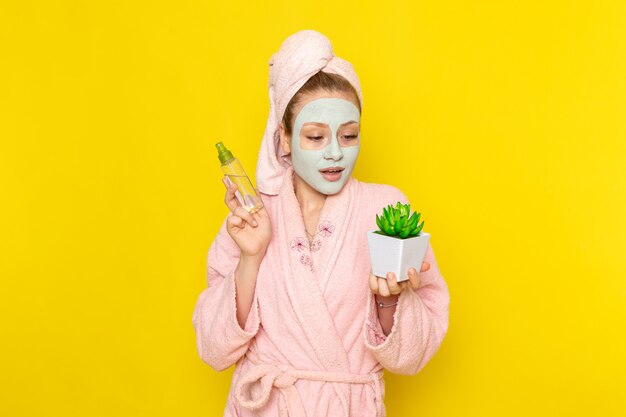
[
  {"x": 348, "y": 123},
  {"x": 324, "y": 124}
]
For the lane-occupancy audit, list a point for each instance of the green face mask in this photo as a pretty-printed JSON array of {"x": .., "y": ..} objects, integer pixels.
[{"x": 308, "y": 163}]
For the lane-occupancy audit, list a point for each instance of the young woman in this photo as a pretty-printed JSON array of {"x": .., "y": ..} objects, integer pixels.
[{"x": 291, "y": 298}]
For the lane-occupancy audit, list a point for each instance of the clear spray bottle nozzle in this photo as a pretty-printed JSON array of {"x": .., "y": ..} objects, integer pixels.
[{"x": 223, "y": 153}]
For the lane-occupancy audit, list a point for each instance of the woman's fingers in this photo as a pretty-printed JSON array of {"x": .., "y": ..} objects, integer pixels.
[
  {"x": 245, "y": 214},
  {"x": 387, "y": 286},
  {"x": 414, "y": 278},
  {"x": 374, "y": 283},
  {"x": 230, "y": 199},
  {"x": 383, "y": 288},
  {"x": 425, "y": 267},
  {"x": 234, "y": 221},
  {"x": 392, "y": 283}
]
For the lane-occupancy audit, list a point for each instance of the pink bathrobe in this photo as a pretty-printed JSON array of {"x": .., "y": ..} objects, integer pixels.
[{"x": 312, "y": 344}]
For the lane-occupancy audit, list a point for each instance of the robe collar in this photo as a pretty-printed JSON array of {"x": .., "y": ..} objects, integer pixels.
[{"x": 307, "y": 268}]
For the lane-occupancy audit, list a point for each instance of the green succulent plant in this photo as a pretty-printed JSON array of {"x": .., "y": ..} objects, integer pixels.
[{"x": 396, "y": 222}]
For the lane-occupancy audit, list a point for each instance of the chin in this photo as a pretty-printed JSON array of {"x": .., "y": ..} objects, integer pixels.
[{"x": 332, "y": 188}]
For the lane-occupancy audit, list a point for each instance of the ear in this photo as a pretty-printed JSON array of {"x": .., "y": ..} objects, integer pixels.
[{"x": 285, "y": 140}]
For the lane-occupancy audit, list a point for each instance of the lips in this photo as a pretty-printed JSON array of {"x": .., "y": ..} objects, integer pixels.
[
  {"x": 332, "y": 170},
  {"x": 332, "y": 174}
]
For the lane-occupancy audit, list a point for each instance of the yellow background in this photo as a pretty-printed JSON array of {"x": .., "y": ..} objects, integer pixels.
[{"x": 504, "y": 123}]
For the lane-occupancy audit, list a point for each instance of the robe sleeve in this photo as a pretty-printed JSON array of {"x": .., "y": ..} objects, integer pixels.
[
  {"x": 420, "y": 321},
  {"x": 220, "y": 340}
]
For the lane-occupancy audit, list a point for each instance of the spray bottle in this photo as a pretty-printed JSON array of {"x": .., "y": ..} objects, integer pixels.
[{"x": 235, "y": 173}]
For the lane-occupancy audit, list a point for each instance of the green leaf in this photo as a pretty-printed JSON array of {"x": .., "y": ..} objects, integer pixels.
[
  {"x": 401, "y": 210},
  {"x": 387, "y": 228},
  {"x": 384, "y": 221},
  {"x": 418, "y": 218},
  {"x": 388, "y": 215},
  {"x": 413, "y": 220},
  {"x": 397, "y": 226},
  {"x": 405, "y": 232},
  {"x": 392, "y": 218},
  {"x": 378, "y": 223}
]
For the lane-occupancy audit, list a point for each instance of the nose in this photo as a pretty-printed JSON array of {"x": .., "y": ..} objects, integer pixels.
[{"x": 333, "y": 150}]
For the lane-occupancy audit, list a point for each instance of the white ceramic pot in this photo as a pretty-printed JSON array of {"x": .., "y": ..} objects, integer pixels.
[{"x": 392, "y": 254}]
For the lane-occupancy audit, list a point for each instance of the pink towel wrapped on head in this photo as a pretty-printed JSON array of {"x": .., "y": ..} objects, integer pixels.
[
  {"x": 312, "y": 344},
  {"x": 301, "y": 56}
]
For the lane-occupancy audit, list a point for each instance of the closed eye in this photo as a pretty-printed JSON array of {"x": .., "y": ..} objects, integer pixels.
[{"x": 315, "y": 137}]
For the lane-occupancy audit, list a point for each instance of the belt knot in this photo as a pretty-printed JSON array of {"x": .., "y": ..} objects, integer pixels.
[{"x": 260, "y": 378}]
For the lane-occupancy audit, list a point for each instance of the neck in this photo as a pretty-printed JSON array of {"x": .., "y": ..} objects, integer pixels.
[{"x": 309, "y": 198}]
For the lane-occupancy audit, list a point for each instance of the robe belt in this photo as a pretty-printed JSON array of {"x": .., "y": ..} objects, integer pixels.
[{"x": 283, "y": 377}]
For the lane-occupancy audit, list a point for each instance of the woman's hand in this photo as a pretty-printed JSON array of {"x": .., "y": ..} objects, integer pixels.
[
  {"x": 390, "y": 286},
  {"x": 251, "y": 232}
]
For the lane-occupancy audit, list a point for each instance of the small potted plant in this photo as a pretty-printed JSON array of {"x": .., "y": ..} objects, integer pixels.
[{"x": 399, "y": 242}]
